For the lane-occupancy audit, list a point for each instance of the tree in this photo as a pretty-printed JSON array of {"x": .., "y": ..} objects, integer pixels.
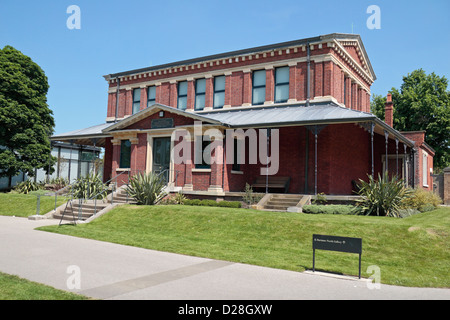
[
  {"x": 422, "y": 103},
  {"x": 26, "y": 121}
]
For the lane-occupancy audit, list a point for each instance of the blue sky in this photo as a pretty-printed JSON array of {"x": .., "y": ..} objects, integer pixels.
[{"x": 118, "y": 35}]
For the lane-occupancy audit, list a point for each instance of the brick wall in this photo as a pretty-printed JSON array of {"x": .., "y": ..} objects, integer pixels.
[{"x": 327, "y": 79}]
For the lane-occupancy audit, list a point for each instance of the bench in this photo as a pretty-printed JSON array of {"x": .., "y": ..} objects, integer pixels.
[{"x": 274, "y": 182}]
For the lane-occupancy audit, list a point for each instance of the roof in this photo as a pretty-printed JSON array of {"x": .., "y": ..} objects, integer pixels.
[
  {"x": 249, "y": 117},
  {"x": 93, "y": 131},
  {"x": 336, "y": 36},
  {"x": 298, "y": 114}
]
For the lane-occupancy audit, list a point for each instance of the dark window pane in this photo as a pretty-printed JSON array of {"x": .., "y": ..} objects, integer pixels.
[{"x": 125, "y": 154}]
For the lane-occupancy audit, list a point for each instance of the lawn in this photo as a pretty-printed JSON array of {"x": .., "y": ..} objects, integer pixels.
[
  {"x": 24, "y": 205},
  {"x": 413, "y": 251},
  {"x": 15, "y": 288}
]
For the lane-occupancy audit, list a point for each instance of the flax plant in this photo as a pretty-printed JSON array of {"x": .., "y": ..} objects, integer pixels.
[
  {"x": 382, "y": 197},
  {"x": 146, "y": 189}
]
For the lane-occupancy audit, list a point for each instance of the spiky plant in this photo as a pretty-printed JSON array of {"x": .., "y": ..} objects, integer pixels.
[
  {"x": 382, "y": 197},
  {"x": 146, "y": 189},
  {"x": 89, "y": 187}
]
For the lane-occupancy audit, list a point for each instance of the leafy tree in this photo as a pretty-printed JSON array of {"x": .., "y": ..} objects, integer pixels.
[
  {"x": 422, "y": 103},
  {"x": 26, "y": 122}
]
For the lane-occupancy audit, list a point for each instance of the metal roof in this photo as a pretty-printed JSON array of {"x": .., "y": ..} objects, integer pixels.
[
  {"x": 249, "y": 117},
  {"x": 300, "y": 114},
  {"x": 94, "y": 131}
]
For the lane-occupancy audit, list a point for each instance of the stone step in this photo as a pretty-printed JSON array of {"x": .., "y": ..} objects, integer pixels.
[
  {"x": 276, "y": 207},
  {"x": 287, "y": 202},
  {"x": 100, "y": 205},
  {"x": 68, "y": 215},
  {"x": 286, "y": 196}
]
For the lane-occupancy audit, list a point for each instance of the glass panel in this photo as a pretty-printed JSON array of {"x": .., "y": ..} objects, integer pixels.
[
  {"x": 136, "y": 107},
  {"x": 151, "y": 95},
  {"x": 282, "y": 75},
  {"x": 137, "y": 95},
  {"x": 200, "y": 86},
  {"x": 219, "y": 83},
  {"x": 219, "y": 99},
  {"x": 199, "y": 102},
  {"x": 182, "y": 88},
  {"x": 282, "y": 93},
  {"x": 65, "y": 153},
  {"x": 73, "y": 170},
  {"x": 125, "y": 153},
  {"x": 157, "y": 152},
  {"x": 182, "y": 103},
  {"x": 259, "y": 95},
  {"x": 259, "y": 78}
]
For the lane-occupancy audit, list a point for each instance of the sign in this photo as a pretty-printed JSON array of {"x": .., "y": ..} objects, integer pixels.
[
  {"x": 162, "y": 123},
  {"x": 334, "y": 243}
]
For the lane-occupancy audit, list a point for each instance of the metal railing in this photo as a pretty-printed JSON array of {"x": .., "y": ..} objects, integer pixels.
[{"x": 111, "y": 184}]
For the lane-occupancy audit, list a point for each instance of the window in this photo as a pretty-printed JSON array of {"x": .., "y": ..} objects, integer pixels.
[
  {"x": 259, "y": 87},
  {"x": 203, "y": 153},
  {"x": 236, "y": 161},
  {"x": 151, "y": 96},
  {"x": 125, "y": 153},
  {"x": 136, "y": 100},
  {"x": 182, "y": 95},
  {"x": 345, "y": 91},
  {"x": 200, "y": 89},
  {"x": 425, "y": 169},
  {"x": 282, "y": 84},
  {"x": 219, "y": 91}
]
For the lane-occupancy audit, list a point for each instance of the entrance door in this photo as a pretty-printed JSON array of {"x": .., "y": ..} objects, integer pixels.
[{"x": 161, "y": 157}]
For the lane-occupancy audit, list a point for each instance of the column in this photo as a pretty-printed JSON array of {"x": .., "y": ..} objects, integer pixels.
[
  {"x": 144, "y": 93},
  {"x": 216, "y": 166},
  {"x": 209, "y": 92},
  {"x": 270, "y": 85},
  {"x": 247, "y": 90},
  {"x": 293, "y": 82}
]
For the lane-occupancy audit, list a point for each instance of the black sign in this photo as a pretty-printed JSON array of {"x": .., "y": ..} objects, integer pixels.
[
  {"x": 334, "y": 243},
  {"x": 162, "y": 123}
]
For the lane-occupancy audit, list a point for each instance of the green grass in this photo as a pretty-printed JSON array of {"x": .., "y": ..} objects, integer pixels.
[
  {"x": 15, "y": 288},
  {"x": 24, "y": 205},
  {"x": 414, "y": 251}
]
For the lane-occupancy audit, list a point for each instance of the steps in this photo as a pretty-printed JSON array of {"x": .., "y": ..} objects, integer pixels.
[
  {"x": 72, "y": 211},
  {"x": 280, "y": 202}
]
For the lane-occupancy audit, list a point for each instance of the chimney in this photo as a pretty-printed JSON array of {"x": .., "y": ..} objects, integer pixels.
[{"x": 389, "y": 111}]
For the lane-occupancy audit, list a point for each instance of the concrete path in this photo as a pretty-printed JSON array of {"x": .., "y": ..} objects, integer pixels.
[{"x": 110, "y": 271}]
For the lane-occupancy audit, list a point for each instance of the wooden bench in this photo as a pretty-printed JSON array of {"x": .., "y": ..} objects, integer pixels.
[{"x": 274, "y": 182}]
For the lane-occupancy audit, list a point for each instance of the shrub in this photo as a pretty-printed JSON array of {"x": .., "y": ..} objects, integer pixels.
[
  {"x": 146, "y": 189},
  {"x": 422, "y": 200},
  {"x": 321, "y": 198},
  {"x": 249, "y": 196},
  {"x": 212, "y": 203},
  {"x": 57, "y": 183},
  {"x": 382, "y": 197},
  {"x": 88, "y": 187},
  {"x": 404, "y": 213},
  {"x": 27, "y": 186},
  {"x": 209, "y": 203},
  {"x": 328, "y": 209},
  {"x": 230, "y": 204}
]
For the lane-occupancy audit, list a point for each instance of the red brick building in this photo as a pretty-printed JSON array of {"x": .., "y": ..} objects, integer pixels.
[{"x": 313, "y": 94}]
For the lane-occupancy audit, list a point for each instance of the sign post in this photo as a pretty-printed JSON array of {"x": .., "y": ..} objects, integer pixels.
[{"x": 334, "y": 243}]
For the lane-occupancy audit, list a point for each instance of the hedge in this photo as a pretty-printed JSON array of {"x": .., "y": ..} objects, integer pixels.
[
  {"x": 328, "y": 209},
  {"x": 212, "y": 203}
]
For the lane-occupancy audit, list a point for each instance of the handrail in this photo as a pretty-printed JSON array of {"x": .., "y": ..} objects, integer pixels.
[
  {"x": 106, "y": 187},
  {"x": 80, "y": 210}
]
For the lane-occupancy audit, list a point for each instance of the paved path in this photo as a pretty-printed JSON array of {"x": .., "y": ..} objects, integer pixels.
[{"x": 111, "y": 271}]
